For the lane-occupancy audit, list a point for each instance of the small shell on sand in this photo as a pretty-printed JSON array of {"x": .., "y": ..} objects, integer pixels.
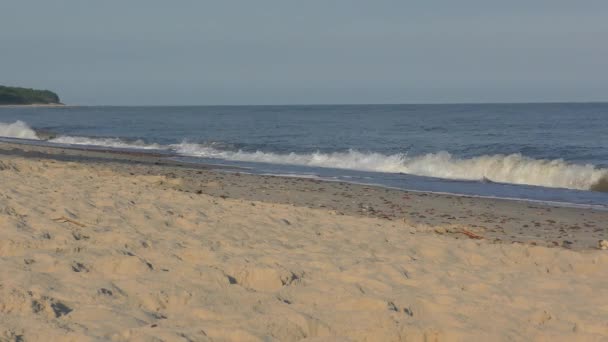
[{"x": 602, "y": 244}]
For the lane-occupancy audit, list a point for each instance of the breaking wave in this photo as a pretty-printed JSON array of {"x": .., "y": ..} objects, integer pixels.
[
  {"x": 513, "y": 168},
  {"x": 17, "y": 129}
]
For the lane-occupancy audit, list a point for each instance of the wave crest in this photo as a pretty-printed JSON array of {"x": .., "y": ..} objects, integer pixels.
[
  {"x": 513, "y": 168},
  {"x": 17, "y": 129}
]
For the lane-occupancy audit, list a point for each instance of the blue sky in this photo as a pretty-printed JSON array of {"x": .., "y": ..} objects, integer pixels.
[{"x": 157, "y": 52}]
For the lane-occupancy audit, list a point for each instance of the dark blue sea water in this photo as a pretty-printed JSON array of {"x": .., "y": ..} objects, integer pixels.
[{"x": 549, "y": 152}]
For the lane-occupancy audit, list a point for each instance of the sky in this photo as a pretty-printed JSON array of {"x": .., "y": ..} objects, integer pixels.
[{"x": 198, "y": 52}]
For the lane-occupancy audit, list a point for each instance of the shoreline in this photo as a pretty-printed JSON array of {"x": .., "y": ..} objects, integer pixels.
[
  {"x": 496, "y": 219},
  {"x": 78, "y": 152}
]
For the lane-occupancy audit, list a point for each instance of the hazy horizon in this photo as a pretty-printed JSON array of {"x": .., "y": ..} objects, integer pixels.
[
  {"x": 313, "y": 104},
  {"x": 295, "y": 53}
]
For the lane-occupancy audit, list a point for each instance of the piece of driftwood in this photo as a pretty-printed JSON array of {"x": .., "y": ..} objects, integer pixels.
[
  {"x": 471, "y": 235},
  {"x": 65, "y": 219}
]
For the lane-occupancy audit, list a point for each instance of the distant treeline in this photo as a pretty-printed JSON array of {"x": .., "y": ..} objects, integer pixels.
[{"x": 24, "y": 96}]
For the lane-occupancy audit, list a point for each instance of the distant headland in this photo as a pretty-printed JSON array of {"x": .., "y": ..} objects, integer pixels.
[{"x": 16, "y": 96}]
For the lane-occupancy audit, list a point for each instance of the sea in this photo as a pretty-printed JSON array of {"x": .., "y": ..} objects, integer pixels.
[{"x": 548, "y": 152}]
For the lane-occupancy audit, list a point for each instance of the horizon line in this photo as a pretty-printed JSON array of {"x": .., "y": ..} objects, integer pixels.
[{"x": 338, "y": 104}]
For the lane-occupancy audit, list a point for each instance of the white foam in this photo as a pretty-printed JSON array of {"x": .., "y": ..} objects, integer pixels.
[
  {"x": 513, "y": 168},
  {"x": 106, "y": 142},
  {"x": 17, "y": 129}
]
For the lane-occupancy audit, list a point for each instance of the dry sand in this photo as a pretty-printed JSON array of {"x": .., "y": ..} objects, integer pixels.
[{"x": 94, "y": 251}]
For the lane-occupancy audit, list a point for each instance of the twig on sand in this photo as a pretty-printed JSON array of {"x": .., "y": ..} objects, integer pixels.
[
  {"x": 471, "y": 234},
  {"x": 65, "y": 219}
]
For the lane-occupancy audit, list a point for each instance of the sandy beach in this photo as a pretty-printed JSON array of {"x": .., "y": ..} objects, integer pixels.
[{"x": 101, "y": 246}]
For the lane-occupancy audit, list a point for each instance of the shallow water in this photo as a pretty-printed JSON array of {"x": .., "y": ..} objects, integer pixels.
[{"x": 549, "y": 152}]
